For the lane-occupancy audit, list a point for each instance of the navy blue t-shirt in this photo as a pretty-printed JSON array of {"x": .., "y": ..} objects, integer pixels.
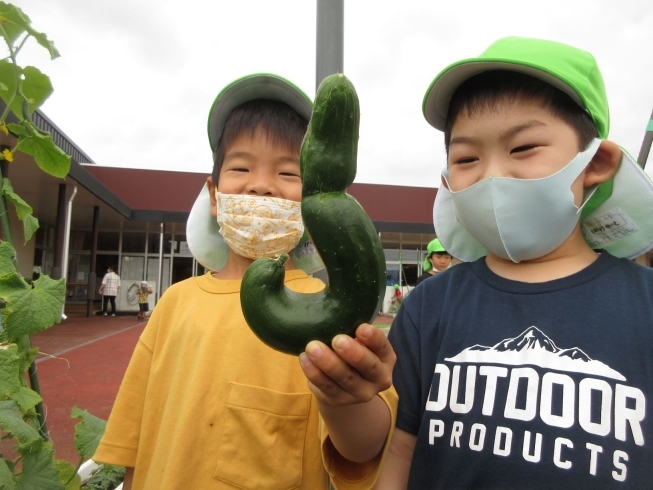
[{"x": 511, "y": 385}]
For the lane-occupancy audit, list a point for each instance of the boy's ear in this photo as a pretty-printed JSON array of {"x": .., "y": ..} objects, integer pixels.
[
  {"x": 604, "y": 164},
  {"x": 214, "y": 204}
]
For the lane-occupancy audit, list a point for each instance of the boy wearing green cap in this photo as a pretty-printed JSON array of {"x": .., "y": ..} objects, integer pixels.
[
  {"x": 437, "y": 260},
  {"x": 529, "y": 365},
  {"x": 204, "y": 403}
]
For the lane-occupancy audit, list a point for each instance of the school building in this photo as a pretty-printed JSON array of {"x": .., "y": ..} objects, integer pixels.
[{"x": 135, "y": 220}]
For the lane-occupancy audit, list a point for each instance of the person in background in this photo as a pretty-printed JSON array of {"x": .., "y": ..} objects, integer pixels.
[
  {"x": 109, "y": 289},
  {"x": 395, "y": 301},
  {"x": 437, "y": 259},
  {"x": 143, "y": 306}
]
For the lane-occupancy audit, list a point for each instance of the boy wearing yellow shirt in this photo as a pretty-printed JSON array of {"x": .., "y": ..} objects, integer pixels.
[{"x": 204, "y": 403}]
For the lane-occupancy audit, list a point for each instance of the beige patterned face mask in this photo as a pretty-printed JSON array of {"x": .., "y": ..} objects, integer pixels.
[{"x": 259, "y": 226}]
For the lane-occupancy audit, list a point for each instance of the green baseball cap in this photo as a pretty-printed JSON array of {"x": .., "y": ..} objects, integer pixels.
[
  {"x": 434, "y": 246},
  {"x": 571, "y": 70},
  {"x": 617, "y": 217},
  {"x": 251, "y": 87}
]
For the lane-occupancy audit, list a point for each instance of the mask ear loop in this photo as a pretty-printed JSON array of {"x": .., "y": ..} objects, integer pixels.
[{"x": 589, "y": 192}]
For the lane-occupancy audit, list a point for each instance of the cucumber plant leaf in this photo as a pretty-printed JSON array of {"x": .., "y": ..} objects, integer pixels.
[
  {"x": 27, "y": 354},
  {"x": 10, "y": 92},
  {"x": 39, "y": 471},
  {"x": 23, "y": 210},
  {"x": 9, "y": 370},
  {"x": 30, "y": 310},
  {"x": 26, "y": 398},
  {"x": 36, "y": 87},
  {"x": 7, "y": 257},
  {"x": 67, "y": 474},
  {"x": 7, "y": 481},
  {"x": 88, "y": 432},
  {"x": 17, "y": 129},
  {"x": 13, "y": 21},
  {"x": 48, "y": 156},
  {"x": 16, "y": 22},
  {"x": 12, "y": 423}
]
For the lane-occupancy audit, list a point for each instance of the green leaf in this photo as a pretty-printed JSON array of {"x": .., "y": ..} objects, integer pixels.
[
  {"x": 14, "y": 21},
  {"x": 30, "y": 225},
  {"x": 9, "y": 370},
  {"x": 12, "y": 423},
  {"x": 7, "y": 481},
  {"x": 8, "y": 79},
  {"x": 106, "y": 476},
  {"x": 30, "y": 310},
  {"x": 26, "y": 398},
  {"x": 67, "y": 474},
  {"x": 27, "y": 356},
  {"x": 39, "y": 471},
  {"x": 88, "y": 432},
  {"x": 36, "y": 87},
  {"x": 18, "y": 22},
  {"x": 43, "y": 40},
  {"x": 7, "y": 256},
  {"x": 23, "y": 210},
  {"x": 48, "y": 156},
  {"x": 17, "y": 129}
]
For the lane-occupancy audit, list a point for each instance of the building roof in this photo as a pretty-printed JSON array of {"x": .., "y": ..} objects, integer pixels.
[
  {"x": 167, "y": 196},
  {"x": 391, "y": 208},
  {"x": 151, "y": 190}
]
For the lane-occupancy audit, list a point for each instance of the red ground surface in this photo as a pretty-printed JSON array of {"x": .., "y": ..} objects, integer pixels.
[
  {"x": 89, "y": 359},
  {"x": 81, "y": 363}
]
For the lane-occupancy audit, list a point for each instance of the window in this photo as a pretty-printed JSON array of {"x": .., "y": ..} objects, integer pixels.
[
  {"x": 132, "y": 268},
  {"x": 108, "y": 241},
  {"x": 154, "y": 240},
  {"x": 81, "y": 240},
  {"x": 133, "y": 242}
]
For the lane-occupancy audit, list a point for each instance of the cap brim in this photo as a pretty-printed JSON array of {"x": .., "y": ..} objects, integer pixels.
[
  {"x": 252, "y": 87},
  {"x": 436, "y": 101},
  {"x": 622, "y": 225}
]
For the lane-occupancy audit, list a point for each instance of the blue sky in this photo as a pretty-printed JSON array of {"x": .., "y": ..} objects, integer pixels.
[{"x": 137, "y": 77}]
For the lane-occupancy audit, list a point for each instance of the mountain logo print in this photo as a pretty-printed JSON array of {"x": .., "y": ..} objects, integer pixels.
[{"x": 533, "y": 347}]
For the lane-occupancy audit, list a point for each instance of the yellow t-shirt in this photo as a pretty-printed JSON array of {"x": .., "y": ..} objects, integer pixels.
[{"x": 206, "y": 405}]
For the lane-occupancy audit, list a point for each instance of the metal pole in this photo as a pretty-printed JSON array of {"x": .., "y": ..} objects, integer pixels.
[
  {"x": 330, "y": 39},
  {"x": 92, "y": 277},
  {"x": 57, "y": 269},
  {"x": 66, "y": 243},
  {"x": 646, "y": 144},
  {"x": 160, "y": 278}
]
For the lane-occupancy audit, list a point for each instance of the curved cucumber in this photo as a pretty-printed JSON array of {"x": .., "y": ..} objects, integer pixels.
[{"x": 340, "y": 230}]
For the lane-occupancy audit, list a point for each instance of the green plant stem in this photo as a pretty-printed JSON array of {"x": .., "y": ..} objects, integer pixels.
[
  {"x": 12, "y": 54},
  {"x": 4, "y": 217},
  {"x": 79, "y": 465},
  {"x": 34, "y": 383},
  {"x": 20, "y": 46}
]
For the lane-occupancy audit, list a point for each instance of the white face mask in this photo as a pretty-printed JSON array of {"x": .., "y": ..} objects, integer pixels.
[
  {"x": 521, "y": 219},
  {"x": 259, "y": 226}
]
